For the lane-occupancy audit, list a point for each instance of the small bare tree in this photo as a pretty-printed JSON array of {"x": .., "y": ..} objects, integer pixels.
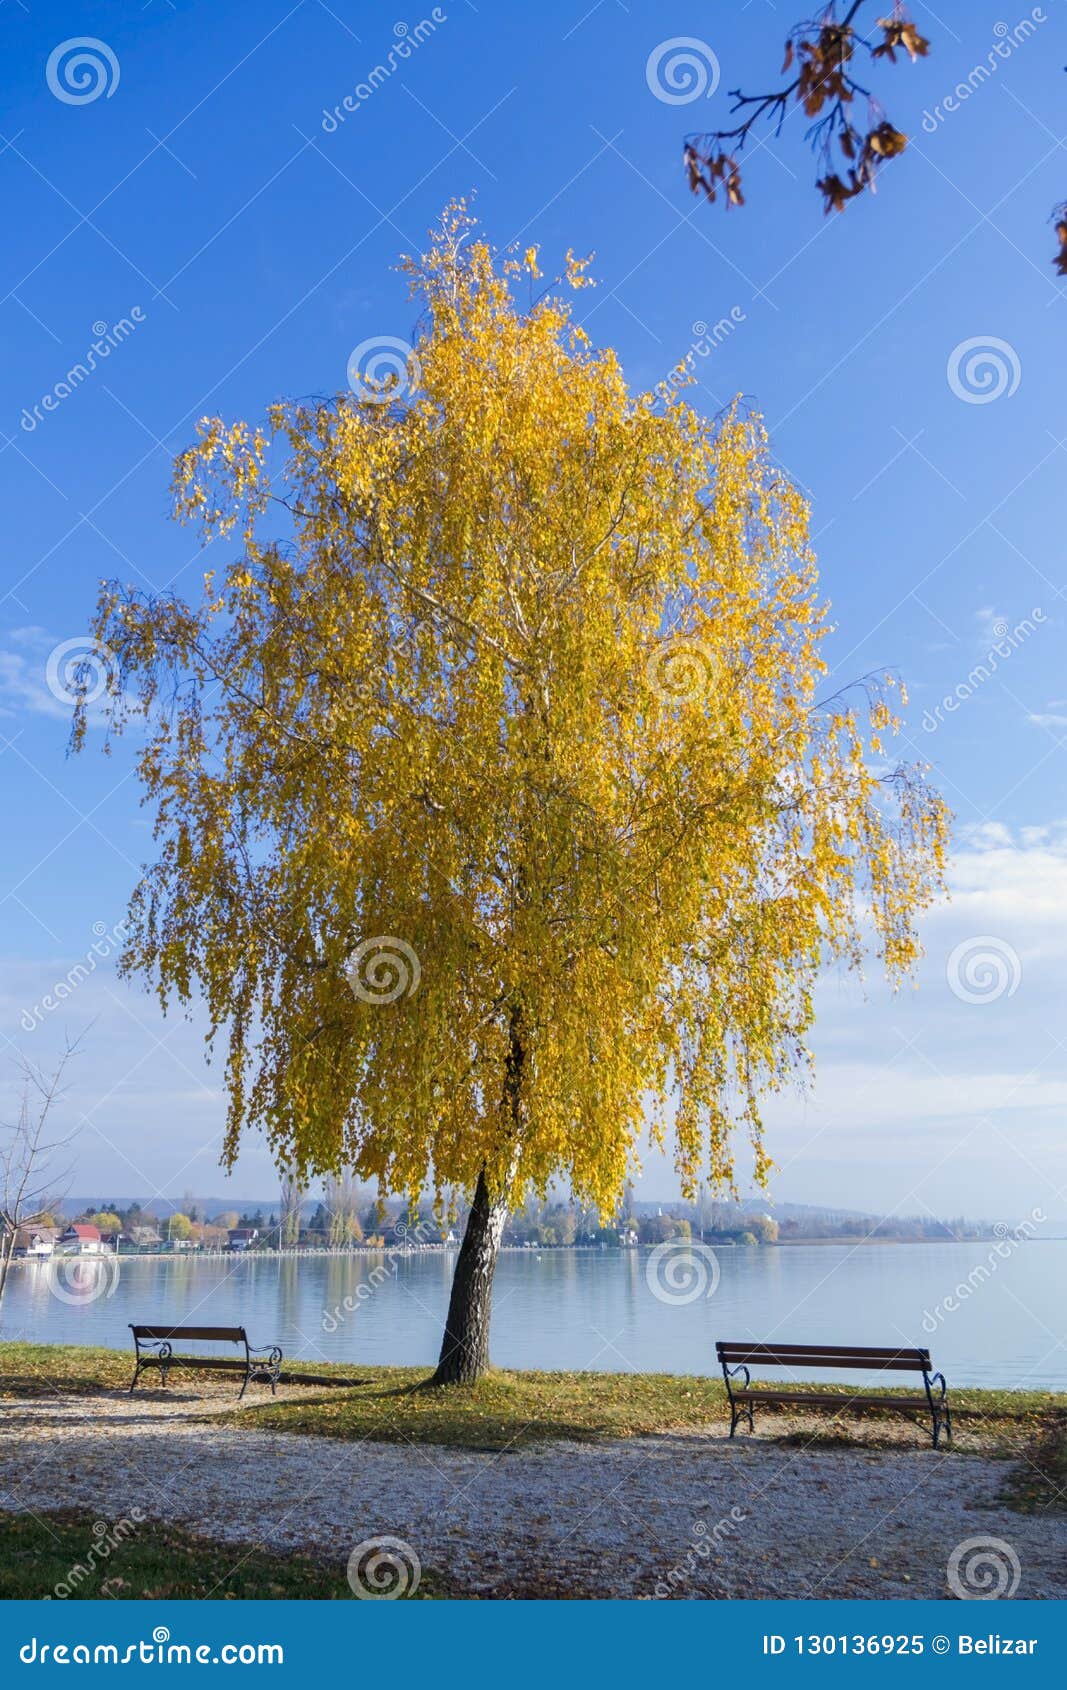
[
  {"x": 29, "y": 1174},
  {"x": 294, "y": 1190},
  {"x": 342, "y": 1202}
]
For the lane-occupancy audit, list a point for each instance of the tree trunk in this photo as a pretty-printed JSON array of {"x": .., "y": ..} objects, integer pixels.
[
  {"x": 465, "y": 1348},
  {"x": 7, "y": 1250}
]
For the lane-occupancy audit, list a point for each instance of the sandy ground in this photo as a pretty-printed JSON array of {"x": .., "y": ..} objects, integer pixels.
[{"x": 690, "y": 1515}]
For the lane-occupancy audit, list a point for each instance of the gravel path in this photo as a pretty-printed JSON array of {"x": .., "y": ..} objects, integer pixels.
[{"x": 688, "y": 1516}]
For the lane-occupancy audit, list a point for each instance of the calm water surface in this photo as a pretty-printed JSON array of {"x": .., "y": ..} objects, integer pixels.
[{"x": 595, "y": 1309}]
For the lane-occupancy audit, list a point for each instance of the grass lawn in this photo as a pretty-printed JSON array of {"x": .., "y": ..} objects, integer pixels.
[
  {"x": 58, "y": 1556},
  {"x": 27, "y": 1370},
  {"x": 1038, "y": 1485},
  {"x": 506, "y": 1409}
]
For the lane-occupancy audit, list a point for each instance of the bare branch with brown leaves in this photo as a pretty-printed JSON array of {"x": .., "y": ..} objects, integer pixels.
[{"x": 824, "y": 54}]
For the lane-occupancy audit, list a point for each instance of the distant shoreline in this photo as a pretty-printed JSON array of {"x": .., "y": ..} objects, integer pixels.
[
  {"x": 376, "y": 1250},
  {"x": 865, "y": 1238}
]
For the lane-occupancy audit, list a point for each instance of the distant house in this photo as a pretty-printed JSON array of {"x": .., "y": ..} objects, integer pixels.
[
  {"x": 37, "y": 1240},
  {"x": 142, "y": 1237},
  {"x": 241, "y": 1237},
  {"x": 79, "y": 1239}
]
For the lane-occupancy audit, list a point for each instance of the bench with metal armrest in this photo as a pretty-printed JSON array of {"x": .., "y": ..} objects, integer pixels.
[
  {"x": 735, "y": 1359},
  {"x": 155, "y": 1347}
]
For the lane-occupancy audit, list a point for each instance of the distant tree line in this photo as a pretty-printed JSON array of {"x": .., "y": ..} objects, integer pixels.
[{"x": 346, "y": 1216}]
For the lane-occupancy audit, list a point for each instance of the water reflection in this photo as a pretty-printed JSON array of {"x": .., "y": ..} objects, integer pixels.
[{"x": 587, "y": 1309}]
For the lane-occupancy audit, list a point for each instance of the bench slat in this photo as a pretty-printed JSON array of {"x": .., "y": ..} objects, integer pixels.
[
  {"x": 824, "y": 1355},
  {"x": 822, "y": 1398},
  {"x": 222, "y": 1334},
  {"x": 230, "y": 1364}
]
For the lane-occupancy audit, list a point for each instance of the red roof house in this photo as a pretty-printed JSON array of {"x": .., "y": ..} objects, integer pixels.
[{"x": 81, "y": 1239}]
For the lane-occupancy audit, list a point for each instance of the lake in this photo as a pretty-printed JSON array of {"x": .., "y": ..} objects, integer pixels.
[{"x": 988, "y": 1319}]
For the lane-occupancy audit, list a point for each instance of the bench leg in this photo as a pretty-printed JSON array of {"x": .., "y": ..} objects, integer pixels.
[
  {"x": 739, "y": 1412},
  {"x": 136, "y": 1376}
]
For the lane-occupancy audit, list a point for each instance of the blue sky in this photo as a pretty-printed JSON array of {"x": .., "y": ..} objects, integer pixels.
[{"x": 244, "y": 248}]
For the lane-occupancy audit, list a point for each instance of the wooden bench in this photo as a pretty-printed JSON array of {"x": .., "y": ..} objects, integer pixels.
[
  {"x": 154, "y": 1347},
  {"x": 736, "y": 1359}
]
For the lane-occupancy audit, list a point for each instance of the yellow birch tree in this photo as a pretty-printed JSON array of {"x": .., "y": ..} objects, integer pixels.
[{"x": 498, "y": 813}]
